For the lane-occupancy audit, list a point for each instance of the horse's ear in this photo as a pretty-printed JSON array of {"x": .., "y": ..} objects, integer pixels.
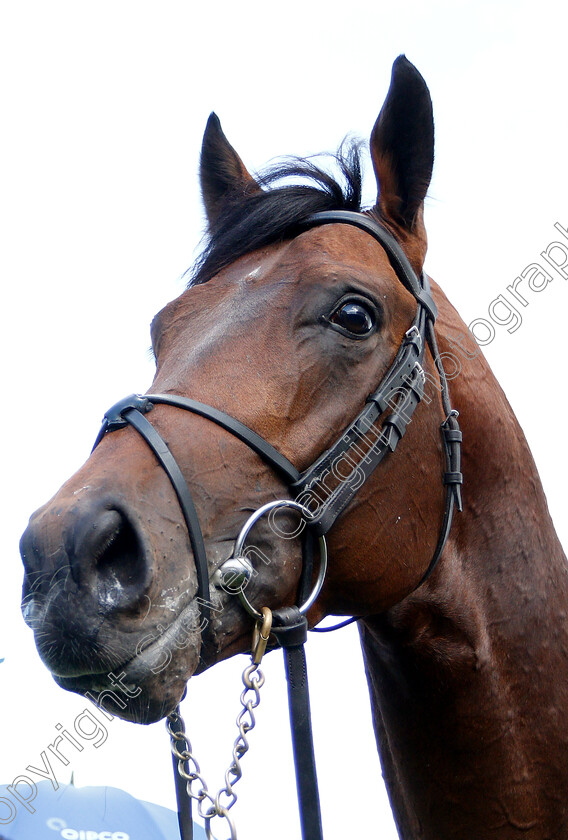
[
  {"x": 222, "y": 171},
  {"x": 402, "y": 146}
]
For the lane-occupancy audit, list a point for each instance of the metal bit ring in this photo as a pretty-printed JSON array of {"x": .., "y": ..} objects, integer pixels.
[{"x": 247, "y": 527}]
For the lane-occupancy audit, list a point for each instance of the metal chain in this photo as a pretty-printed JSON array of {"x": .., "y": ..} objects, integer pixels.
[{"x": 209, "y": 806}]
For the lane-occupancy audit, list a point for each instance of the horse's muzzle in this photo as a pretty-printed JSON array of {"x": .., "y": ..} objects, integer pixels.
[
  {"x": 95, "y": 550},
  {"x": 88, "y": 575}
]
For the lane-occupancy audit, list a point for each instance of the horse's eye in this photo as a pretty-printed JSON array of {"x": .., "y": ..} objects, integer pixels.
[{"x": 355, "y": 317}]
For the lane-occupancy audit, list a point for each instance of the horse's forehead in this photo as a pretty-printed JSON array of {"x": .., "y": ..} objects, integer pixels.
[
  {"x": 313, "y": 255},
  {"x": 336, "y": 245}
]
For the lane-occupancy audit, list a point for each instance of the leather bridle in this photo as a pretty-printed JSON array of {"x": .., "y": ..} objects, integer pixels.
[{"x": 360, "y": 445}]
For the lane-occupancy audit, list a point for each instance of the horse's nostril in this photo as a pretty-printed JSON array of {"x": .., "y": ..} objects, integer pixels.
[
  {"x": 108, "y": 556},
  {"x": 118, "y": 558},
  {"x": 118, "y": 555}
]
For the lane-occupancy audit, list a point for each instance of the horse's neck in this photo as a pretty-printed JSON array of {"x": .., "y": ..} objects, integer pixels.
[{"x": 469, "y": 676}]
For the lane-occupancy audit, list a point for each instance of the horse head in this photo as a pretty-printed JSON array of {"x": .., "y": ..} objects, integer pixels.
[{"x": 287, "y": 327}]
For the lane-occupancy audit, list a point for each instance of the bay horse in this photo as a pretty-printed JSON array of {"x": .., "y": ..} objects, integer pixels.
[{"x": 287, "y": 326}]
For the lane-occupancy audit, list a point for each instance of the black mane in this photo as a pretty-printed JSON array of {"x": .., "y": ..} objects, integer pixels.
[{"x": 254, "y": 220}]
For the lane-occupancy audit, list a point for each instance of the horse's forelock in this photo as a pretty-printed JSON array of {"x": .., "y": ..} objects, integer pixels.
[{"x": 292, "y": 191}]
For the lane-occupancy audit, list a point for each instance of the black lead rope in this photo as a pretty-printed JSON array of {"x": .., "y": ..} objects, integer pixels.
[
  {"x": 291, "y": 630},
  {"x": 183, "y": 801}
]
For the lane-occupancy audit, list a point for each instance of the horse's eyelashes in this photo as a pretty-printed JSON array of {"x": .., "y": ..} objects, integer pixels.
[{"x": 354, "y": 316}]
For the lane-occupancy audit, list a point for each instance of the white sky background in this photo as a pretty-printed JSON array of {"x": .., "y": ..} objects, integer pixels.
[{"x": 103, "y": 107}]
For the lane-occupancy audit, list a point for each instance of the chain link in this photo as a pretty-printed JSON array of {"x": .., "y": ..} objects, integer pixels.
[{"x": 210, "y": 806}]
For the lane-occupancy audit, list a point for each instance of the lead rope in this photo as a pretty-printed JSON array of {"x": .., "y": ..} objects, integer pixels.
[
  {"x": 290, "y": 628},
  {"x": 210, "y": 806}
]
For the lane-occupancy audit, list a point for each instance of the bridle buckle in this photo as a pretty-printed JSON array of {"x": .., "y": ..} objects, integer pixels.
[{"x": 412, "y": 336}]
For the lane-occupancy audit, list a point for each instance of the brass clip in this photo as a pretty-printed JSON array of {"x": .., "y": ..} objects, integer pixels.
[{"x": 260, "y": 635}]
